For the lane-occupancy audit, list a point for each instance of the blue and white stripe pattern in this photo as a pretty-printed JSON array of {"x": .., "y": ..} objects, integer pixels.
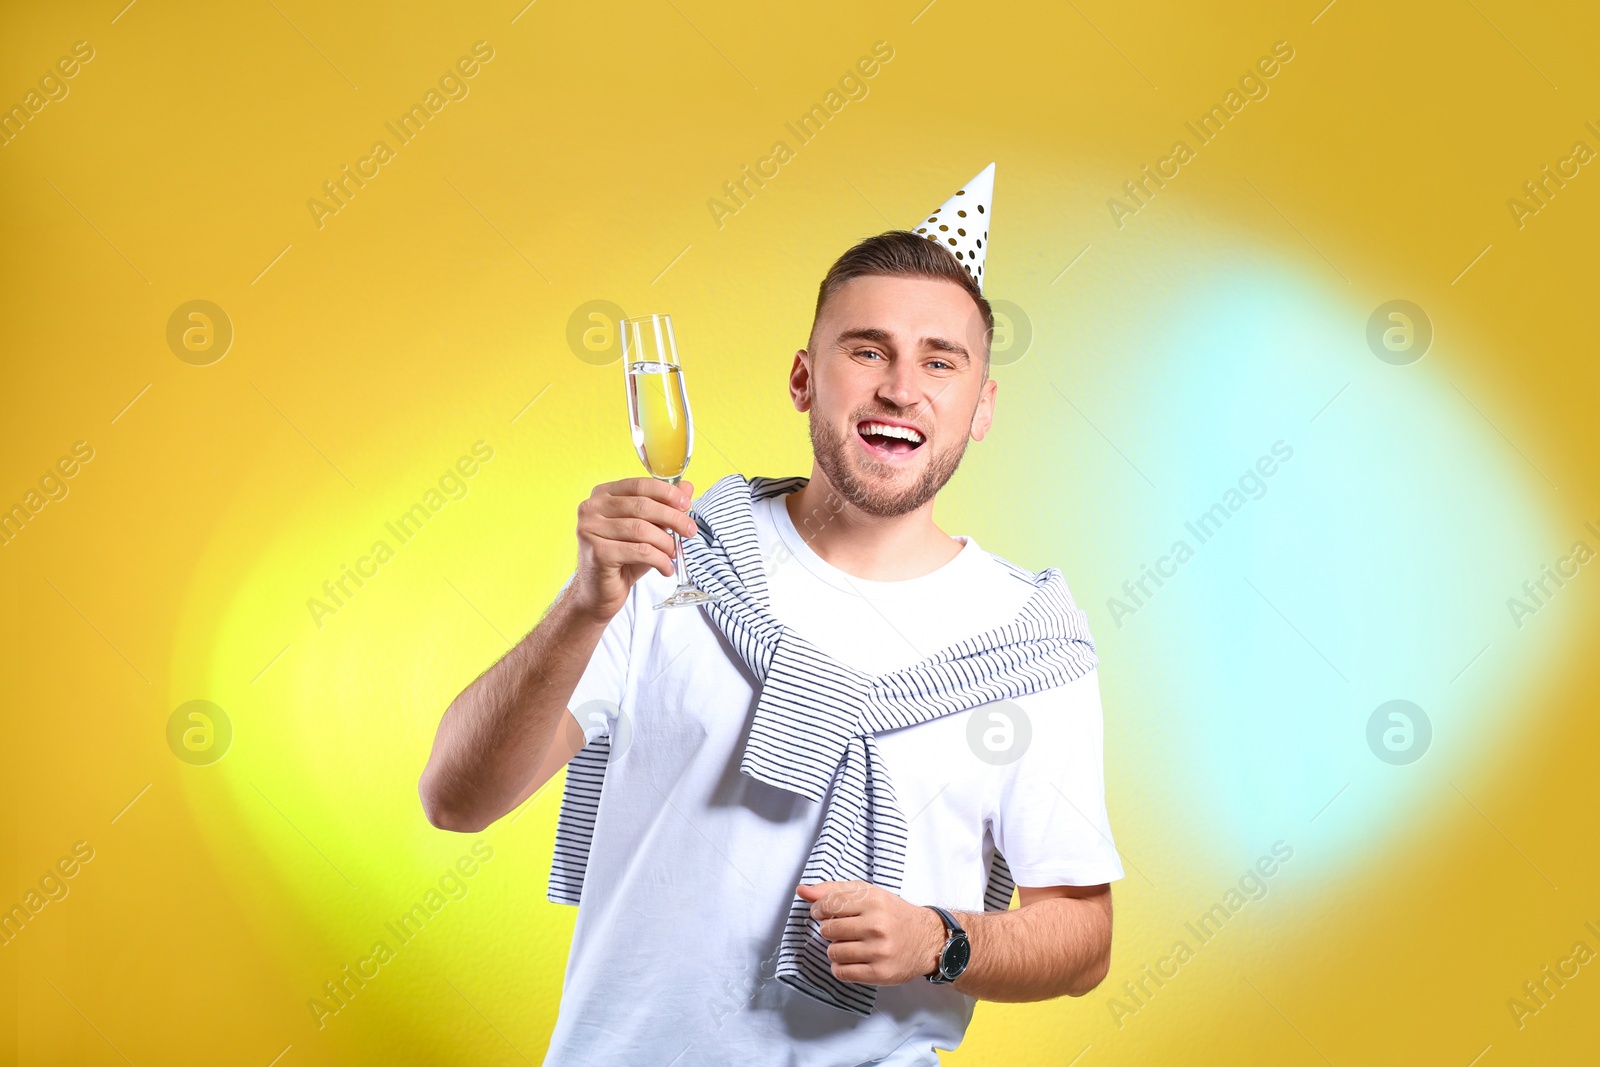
[{"x": 812, "y": 732}]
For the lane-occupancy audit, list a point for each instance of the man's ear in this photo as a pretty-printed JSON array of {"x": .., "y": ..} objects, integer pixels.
[
  {"x": 983, "y": 415},
  {"x": 800, "y": 381}
]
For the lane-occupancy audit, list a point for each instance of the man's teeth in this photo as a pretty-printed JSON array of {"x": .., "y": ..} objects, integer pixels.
[{"x": 884, "y": 429}]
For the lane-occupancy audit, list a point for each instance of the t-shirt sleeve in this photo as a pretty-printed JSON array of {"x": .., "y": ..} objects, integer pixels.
[
  {"x": 596, "y": 701},
  {"x": 1051, "y": 823}
]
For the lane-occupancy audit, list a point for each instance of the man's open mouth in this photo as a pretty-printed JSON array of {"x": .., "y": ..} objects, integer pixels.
[{"x": 889, "y": 440}]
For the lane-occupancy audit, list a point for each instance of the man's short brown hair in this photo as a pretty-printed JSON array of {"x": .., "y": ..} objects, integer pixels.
[{"x": 903, "y": 254}]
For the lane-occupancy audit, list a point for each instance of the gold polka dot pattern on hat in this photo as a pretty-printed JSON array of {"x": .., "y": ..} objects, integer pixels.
[{"x": 966, "y": 214}]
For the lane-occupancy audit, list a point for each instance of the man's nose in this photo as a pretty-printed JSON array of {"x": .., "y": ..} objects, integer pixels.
[{"x": 899, "y": 385}]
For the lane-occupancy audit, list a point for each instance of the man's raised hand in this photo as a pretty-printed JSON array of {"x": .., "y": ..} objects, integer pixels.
[{"x": 624, "y": 530}]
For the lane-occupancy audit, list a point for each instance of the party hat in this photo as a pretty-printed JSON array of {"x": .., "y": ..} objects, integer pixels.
[{"x": 962, "y": 224}]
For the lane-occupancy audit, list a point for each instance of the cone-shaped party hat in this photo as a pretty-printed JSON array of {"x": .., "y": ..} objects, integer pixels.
[{"x": 962, "y": 224}]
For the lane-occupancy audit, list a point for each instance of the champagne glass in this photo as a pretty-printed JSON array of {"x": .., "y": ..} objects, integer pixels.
[{"x": 663, "y": 429}]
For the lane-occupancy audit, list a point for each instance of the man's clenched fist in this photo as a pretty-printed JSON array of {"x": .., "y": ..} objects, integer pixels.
[{"x": 875, "y": 937}]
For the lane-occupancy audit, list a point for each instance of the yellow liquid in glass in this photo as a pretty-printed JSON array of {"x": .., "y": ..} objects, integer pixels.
[{"x": 658, "y": 407}]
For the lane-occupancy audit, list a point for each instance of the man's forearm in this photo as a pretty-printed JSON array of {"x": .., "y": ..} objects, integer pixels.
[
  {"x": 1048, "y": 948},
  {"x": 495, "y": 734}
]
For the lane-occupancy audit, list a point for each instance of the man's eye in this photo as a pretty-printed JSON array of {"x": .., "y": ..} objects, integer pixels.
[
  {"x": 869, "y": 351},
  {"x": 942, "y": 363}
]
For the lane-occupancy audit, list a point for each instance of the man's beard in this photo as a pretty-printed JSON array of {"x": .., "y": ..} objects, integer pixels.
[{"x": 832, "y": 453}]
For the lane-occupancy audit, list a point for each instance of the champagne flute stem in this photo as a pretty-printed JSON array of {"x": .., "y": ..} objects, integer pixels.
[
  {"x": 677, "y": 550},
  {"x": 678, "y": 567}
]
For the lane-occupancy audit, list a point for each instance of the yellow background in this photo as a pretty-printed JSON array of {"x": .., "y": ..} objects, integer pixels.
[{"x": 432, "y": 312}]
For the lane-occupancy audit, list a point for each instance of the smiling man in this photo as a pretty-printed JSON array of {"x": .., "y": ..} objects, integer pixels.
[{"x": 794, "y": 818}]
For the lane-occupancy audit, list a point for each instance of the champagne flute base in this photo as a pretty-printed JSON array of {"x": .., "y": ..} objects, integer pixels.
[{"x": 684, "y": 597}]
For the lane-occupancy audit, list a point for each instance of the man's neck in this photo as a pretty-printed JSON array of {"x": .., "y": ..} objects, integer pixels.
[{"x": 867, "y": 546}]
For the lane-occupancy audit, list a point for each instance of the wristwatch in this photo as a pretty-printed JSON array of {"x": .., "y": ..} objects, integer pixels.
[{"x": 955, "y": 955}]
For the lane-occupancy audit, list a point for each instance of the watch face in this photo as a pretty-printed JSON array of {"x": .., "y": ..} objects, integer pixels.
[{"x": 956, "y": 955}]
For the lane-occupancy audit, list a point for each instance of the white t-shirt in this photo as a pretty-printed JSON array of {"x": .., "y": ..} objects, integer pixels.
[{"x": 693, "y": 865}]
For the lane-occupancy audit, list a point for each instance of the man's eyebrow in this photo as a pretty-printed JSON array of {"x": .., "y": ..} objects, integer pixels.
[
  {"x": 882, "y": 337},
  {"x": 947, "y": 346},
  {"x": 865, "y": 333}
]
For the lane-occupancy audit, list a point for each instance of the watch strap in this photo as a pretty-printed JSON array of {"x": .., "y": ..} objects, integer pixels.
[
  {"x": 953, "y": 932},
  {"x": 951, "y": 927}
]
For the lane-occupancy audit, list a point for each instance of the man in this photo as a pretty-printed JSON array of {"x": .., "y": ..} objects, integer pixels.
[{"x": 692, "y": 874}]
